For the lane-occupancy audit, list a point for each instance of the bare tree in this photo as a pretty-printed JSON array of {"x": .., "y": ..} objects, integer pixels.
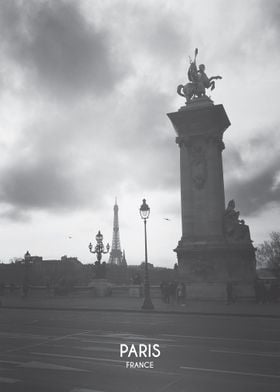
[{"x": 268, "y": 253}]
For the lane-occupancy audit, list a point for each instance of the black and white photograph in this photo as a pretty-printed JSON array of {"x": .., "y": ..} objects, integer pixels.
[{"x": 139, "y": 196}]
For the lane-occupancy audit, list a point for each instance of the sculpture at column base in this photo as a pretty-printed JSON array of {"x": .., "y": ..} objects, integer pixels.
[
  {"x": 235, "y": 229},
  {"x": 205, "y": 265},
  {"x": 209, "y": 268},
  {"x": 216, "y": 262}
]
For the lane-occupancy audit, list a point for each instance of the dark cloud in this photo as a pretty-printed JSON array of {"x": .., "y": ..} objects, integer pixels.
[
  {"x": 232, "y": 158},
  {"x": 156, "y": 168},
  {"x": 75, "y": 164},
  {"x": 253, "y": 194},
  {"x": 142, "y": 115},
  {"x": 52, "y": 43},
  {"x": 251, "y": 43},
  {"x": 271, "y": 14},
  {"x": 54, "y": 167},
  {"x": 165, "y": 40},
  {"x": 257, "y": 182},
  {"x": 14, "y": 214},
  {"x": 146, "y": 140},
  {"x": 38, "y": 185}
]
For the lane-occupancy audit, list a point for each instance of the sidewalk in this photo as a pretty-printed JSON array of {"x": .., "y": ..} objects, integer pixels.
[{"x": 127, "y": 304}]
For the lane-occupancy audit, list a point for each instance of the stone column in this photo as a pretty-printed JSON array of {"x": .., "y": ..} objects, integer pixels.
[
  {"x": 209, "y": 255},
  {"x": 186, "y": 191},
  {"x": 215, "y": 189},
  {"x": 200, "y": 131}
]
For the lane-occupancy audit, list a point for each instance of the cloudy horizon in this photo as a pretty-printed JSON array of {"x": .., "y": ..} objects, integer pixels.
[{"x": 84, "y": 91}]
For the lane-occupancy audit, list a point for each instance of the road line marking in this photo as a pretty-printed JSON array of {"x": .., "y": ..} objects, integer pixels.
[
  {"x": 133, "y": 337},
  {"x": 77, "y": 357},
  {"x": 15, "y": 335},
  {"x": 10, "y": 362},
  {"x": 171, "y": 383},
  {"x": 46, "y": 340},
  {"x": 104, "y": 349},
  {"x": 113, "y": 362},
  {"x": 8, "y": 380},
  {"x": 49, "y": 366},
  {"x": 224, "y": 339},
  {"x": 84, "y": 390},
  {"x": 41, "y": 365},
  {"x": 257, "y": 354},
  {"x": 99, "y": 341},
  {"x": 230, "y": 372}
]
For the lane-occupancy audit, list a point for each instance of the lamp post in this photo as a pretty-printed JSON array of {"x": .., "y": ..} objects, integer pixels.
[
  {"x": 25, "y": 285},
  {"x": 99, "y": 249},
  {"x": 144, "y": 213}
]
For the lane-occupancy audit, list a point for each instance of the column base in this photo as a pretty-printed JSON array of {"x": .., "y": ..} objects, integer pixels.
[{"x": 206, "y": 268}]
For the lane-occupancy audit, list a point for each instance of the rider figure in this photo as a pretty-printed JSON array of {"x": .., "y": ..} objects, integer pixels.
[
  {"x": 203, "y": 78},
  {"x": 198, "y": 81},
  {"x": 195, "y": 77}
]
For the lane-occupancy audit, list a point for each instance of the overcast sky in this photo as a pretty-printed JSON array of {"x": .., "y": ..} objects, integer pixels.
[{"x": 84, "y": 91}]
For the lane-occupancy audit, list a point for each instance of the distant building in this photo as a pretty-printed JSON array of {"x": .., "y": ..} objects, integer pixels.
[
  {"x": 73, "y": 260},
  {"x": 39, "y": 259},
  {"x": 32, "y": 259},
  {"x": 150, "y": 265}
]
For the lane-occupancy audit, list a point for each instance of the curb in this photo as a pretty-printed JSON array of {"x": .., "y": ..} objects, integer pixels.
[{"x": 114, "y": 310}]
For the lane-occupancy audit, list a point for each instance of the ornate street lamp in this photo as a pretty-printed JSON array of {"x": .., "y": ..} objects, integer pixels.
[
  {"x": 99, "y": 249},
  {"x": 144, "y": 213}
]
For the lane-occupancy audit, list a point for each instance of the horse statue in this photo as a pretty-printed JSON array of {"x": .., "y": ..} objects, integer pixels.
[{"x": 199, "y": 81}]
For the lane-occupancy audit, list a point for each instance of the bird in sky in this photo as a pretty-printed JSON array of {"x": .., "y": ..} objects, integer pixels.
[{"x": 166, "y": 219}]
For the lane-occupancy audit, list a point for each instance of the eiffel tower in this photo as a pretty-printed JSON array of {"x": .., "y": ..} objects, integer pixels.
[{"x": 116, "y": 255}]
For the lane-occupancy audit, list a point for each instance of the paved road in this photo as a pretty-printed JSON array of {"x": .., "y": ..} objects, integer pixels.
[{"x": 71, "y": 351}]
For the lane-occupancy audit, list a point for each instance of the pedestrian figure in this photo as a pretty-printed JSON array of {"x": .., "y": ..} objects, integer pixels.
[
  {"x": 25, "y": 289},
  {"x": 12, "y": 288},
  {"x": 181, "y": 293},
  {"x": 230, "y": 297},
  {"x": 267, "y": 287},
  {"x": 257, "y": 288},
  {"x": 172, "y": 287},
  {"x": 274, "y": 292},
  {"x": 164, "y": 292},
  {"x": 262, "y": 294},
  {"x": 2, "y": 288}
]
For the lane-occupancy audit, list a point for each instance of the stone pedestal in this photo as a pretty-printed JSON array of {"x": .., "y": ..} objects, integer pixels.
[
  {"x": 135, "y": 290},
  {"x": 215, "y": 246},
  {"x": 101, "y": 287}
]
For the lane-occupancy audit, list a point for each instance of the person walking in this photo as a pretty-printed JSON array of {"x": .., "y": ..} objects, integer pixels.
[{"x": 229, "y": 290}]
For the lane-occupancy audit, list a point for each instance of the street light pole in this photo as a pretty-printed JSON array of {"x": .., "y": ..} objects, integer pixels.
[
  {"x": 144, "y": 213},
  {"x": 25, "y": 285},
  {"x": 99, "y": 249}
]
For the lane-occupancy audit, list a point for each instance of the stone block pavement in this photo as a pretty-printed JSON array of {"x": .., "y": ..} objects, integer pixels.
[{"x": 128, "y": 304}]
